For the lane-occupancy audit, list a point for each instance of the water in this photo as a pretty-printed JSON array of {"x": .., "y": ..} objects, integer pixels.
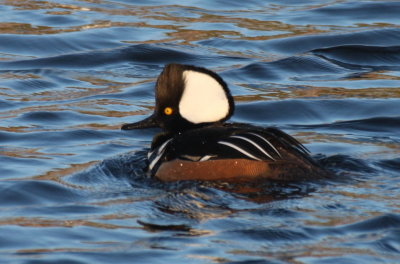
[{"x": 71, "y": 185}]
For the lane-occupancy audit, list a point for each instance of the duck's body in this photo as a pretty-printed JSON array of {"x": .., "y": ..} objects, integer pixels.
[
  {"x": 231, "y": 152},
  {"x": 196, "y": 144}
]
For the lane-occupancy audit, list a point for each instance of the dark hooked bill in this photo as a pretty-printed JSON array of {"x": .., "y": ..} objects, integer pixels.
[{"x": 149, "y": 122}]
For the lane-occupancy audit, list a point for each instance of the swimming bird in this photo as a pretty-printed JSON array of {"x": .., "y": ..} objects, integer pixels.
[{"x": 191, "y": 107}]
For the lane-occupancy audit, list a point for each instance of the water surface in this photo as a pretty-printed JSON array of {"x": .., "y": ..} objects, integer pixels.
[{"x": 72, "y": 188}]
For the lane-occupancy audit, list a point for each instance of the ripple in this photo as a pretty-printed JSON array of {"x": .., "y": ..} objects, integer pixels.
[
  {"x": 380, "y": 37},
  {"x": 141, "y": 53},
  {"x": 363, "y": 56},
  {"x": 335, "y": 113},
  {"x": 348, "y": 13},
  {"x": 391, "y": 164},
  {"x": 296, "y": 67},
  {"x": 28, "y": 45},
  {"x": 379, "y": 223},
  {"x": 271, "y": 235},
  {"x": 35, "y": 192},
  {"x": 376, "y": 124}
]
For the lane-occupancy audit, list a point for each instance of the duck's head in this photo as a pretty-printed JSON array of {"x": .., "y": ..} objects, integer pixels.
[{"x": 187, "y": 97}]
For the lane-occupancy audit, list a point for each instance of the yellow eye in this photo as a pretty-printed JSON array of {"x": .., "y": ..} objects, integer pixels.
[{"x": 168, "y": 110}]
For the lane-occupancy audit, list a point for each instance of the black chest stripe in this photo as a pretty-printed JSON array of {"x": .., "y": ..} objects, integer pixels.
[{"x": 160, "y": 151}]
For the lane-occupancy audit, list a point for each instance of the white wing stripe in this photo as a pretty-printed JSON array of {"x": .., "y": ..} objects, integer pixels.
[
  {"x": 254, "y": 144},
  {"x": 269, "y": 143},
  {"x": 238, "y": 149}
]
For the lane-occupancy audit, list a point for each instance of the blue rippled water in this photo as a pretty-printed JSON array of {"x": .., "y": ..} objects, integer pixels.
[{"x": 72, "y": 189}]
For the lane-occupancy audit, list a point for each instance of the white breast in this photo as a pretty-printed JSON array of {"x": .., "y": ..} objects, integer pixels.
[{"x": 203, "y": 99}]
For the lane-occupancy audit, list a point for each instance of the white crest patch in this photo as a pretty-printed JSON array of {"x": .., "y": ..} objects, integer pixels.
[{"x": 203, "y": 99}]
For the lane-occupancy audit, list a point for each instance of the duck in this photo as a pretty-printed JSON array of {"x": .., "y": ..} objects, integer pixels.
[{"x": 192, "y": 106}]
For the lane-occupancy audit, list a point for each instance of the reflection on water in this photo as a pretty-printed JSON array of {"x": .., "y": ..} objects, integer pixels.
[{"x": 72, "y": 185}]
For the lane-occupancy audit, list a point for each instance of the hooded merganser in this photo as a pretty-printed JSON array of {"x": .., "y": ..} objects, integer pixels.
[{"x": 192, "y": 104}]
